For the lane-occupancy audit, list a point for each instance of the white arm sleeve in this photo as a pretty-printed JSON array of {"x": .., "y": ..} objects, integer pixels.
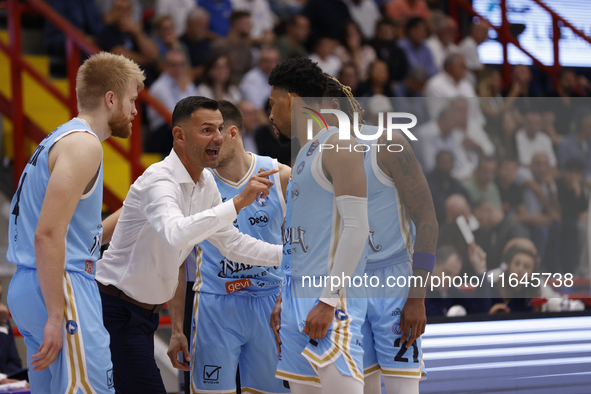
[{"x": 353, "y": 211}]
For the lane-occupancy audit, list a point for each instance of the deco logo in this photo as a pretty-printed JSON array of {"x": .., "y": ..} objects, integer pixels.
[{"x": 260, "y": 218}]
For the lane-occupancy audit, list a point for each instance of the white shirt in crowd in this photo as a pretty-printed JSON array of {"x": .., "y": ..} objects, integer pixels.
[
  {"x": 527, "y": 148},
  {"x": 232, "y": 95},
  {"x": 366, "y": 14},
  {"x": 178, "y": 10},
  {"x": 166, "y": 89},
  {"x": 262, "y": 17},
  {"x": 440, "y": 52},
  {"x": 255, "y": 87},
  {"x": 469, "y": 49},
  {"x": 165, "y": 214},
  {"x": 332, "y": 65}
]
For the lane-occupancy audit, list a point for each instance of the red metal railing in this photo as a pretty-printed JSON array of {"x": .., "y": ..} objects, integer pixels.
[
  {"x": 506, "y": 38},
  {"x": 76, "y": 42}
]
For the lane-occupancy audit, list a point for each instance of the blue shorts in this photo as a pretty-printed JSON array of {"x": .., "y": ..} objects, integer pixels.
[
  {"x": 234, "y": 330},
  {"x": 84, "y": 362},
  {"x": 342, "y": 345},
  {"x": 381, "y": 330}
]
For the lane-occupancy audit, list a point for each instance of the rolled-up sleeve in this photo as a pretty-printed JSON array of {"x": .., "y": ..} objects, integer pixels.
[{"x": 159, "y": 204}]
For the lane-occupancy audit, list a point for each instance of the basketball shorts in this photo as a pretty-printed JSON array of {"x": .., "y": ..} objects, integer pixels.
[
  {"x": 342, "y": 346},
  {"x": 84, "y": 362},
  {"x": 381, "y": 330},
  {"x": 232, "y": 330}
]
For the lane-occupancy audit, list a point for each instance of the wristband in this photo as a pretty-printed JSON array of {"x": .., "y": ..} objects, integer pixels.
[{"x": 423, "y": 260}]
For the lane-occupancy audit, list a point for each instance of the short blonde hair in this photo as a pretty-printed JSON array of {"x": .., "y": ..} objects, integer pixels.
[{"x": 104, "y": 72}]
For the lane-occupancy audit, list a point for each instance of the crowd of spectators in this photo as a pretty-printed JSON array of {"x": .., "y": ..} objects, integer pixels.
[{"x": 513, "y": 159}]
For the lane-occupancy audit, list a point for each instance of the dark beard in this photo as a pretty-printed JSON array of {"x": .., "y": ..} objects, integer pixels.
[
  {"x": 282, "y": 138},
  {"x": 120, "y": 125}
]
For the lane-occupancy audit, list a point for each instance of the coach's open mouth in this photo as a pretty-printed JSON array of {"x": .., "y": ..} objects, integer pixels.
[{"x": 212, "y": 152}]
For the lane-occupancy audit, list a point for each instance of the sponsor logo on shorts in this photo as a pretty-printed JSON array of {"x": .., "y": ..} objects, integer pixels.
[
  {"x": 340, "y": 315},
  {"x": 397, "y": 312},
  {"x": 313, "y": 147},
  {"x": 237, "y": 285},
  {"x": 110, "y": 382},
  {"x": 260, "y": 218},
  {"x": 211, "y": 374},
  {"x": 301, "y": 167},
  {"x": 71, "y": 327},
  {"x": 89, "y": 267},
  {"x": 396, "y": 329}
]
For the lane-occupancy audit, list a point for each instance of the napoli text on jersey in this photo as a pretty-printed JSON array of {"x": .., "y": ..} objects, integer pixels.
[{"x": 262, "y": 220}]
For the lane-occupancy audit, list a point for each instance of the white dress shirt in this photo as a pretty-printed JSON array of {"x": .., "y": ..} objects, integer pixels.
[
  {"x": 469, "y": 49},
  {"x": 527, "y": 148},
  {"x": 165, "y": 214}
]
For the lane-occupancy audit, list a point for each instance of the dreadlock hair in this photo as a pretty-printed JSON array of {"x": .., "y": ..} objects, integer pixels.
[
  {"x": 336, "y": 89},
  {"x": 299, "y": 75}
]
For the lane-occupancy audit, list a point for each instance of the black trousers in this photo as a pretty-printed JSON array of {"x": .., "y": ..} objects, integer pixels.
[{"x": 132, "y": 346}]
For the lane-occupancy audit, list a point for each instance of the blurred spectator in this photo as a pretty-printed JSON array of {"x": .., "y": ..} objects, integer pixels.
[
  {"x": 219, "y": 15},
  {"x": 543, "y": 209},
  {"x": 520, "y": 83},
  {"x": 124, "y": 36},
  {"x": 409, "y": 95},
  {"x": 178, "y": 10},
  {"x": 442, "y": 134},
  {"x": 353, "y": 49},
  {"x": 297, "y": 30},
  {"x": 327, "y": 18},
  {"x": 451, "y": 82},
  {"x": 563, "y": 106},
  {"x": 510, "y": 191},
  {"x": 166, "y": 37},
  {"x": 492, "y": 103},
  {"x": 521, "y": 263},
  {"x": 577, "y": 146},
  {"x": 255, "y": 85},
  {"x": 349, "y": 76},
  {"x": 387, "y": 50},
  {"x": 440, "y": 301},
  {"x": 413, "y": 44},
  {"x": 236, "y": 46},
  {"x": 366, "y": 14},
  {"x": 106, "y": 8},
  {"x": 267, "y": 140},
  {"x": 531, "y": 139},
  {"x": 173, "y": 85},
  {"x": 375, "y": 108},
  {"x": 10, "y": 362},
  {"x": 406, "y": 9},
  {"x": 469, "y": 46},
  {"x": 286, "y": 9},
  {"x": 216, "y": 83},
  {"x": 324, "y": 55},
  {"x": 84, "y": 15},
  {"x": 441, "y": 43},
  {"x": 251, "y": 124},
  {"x": 260, "y": 12},
  {"x": 378, "y": 81},
  {"x": 442, "y": 184},
  {"x": 496, "y": 229},
  {"x": 481, "y": 186},
  {"x": 573, "y": 196},
  {"x": 197, "y": 41}
]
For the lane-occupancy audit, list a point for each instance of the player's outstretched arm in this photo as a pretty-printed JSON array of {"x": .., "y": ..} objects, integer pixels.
[
  {"x": 276, "y": 322},
  {"x": 176, "y": 308},
  {"x": 73, "y": 165},
  {"x": 284, "y": 175},
  {"x": 413, "y": 189},
  {"x": 345, "y": 170}
]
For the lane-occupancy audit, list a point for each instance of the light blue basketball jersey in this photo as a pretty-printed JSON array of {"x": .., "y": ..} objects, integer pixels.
[
  {"x": 262, "y": 219},
  {"x": 313, "y": 223},
  {"x": 392, "y": 233},
  {"x": 85, "y": 230}
]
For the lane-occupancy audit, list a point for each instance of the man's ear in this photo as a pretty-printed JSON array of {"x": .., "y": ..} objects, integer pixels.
[
  {"x": 335, "y": 104},
  {"x": 234, "y": 132},
  {"x": 110, "y": 99},
  {"x": 178, "y": 134}
]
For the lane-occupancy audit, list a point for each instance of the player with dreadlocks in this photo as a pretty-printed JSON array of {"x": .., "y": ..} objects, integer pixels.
[
  {"x": 403, "y": 235},
  {"x": 325, "y": 235}
]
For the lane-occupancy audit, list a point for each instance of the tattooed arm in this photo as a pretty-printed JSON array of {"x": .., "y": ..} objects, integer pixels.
[{"x": 414, "y": 191}]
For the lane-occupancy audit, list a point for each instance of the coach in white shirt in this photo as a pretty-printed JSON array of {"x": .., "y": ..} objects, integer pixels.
[{"x": 172, "y": 207}]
